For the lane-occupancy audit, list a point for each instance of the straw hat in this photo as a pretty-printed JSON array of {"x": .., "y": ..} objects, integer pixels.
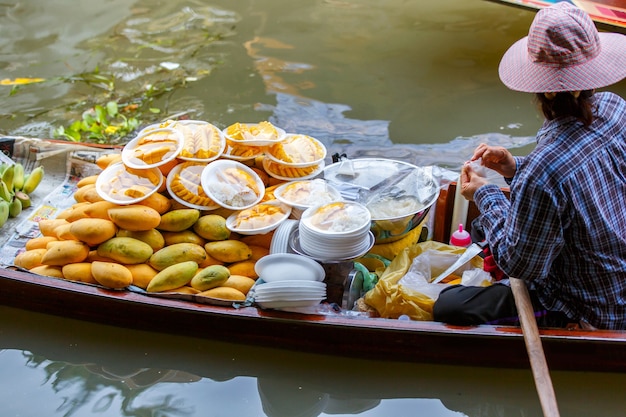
[{"x": 564, "y": 52}]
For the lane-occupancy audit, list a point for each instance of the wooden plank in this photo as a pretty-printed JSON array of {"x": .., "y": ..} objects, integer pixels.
[{"x": 609, "y": 15}]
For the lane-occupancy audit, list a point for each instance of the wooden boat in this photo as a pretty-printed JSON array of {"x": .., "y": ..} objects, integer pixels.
[
  {"x": 609, "y": 15},
  {"x": 343, "y": 333}
]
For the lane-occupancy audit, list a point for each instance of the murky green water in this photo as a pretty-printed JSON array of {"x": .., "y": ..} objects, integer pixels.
[{"x": 345, "y": 71}]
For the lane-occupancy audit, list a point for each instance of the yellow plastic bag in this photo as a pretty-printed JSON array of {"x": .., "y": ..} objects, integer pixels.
[{"x": 392, "y": 300}]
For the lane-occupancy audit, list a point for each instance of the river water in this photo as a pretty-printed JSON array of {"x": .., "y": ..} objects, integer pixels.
[{"x": 345, "y": 71}]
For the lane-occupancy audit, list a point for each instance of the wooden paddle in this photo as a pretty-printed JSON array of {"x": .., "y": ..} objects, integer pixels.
[{"x": 538, "y": 363}]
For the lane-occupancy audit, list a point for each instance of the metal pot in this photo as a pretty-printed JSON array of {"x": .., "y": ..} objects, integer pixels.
[{"x": 399, "y": 195}]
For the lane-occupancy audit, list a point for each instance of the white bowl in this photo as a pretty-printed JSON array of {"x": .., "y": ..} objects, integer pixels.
[
  {"x": 287, "y": 173},
  {"x": 171, "y": 140},
  {"x": 260, "y": 139},
  {"x": 197, "y": 130},
  {"x": 288, "y": 266},
  {"x": 290, "y": 283},
  {"x": 287, "y": 304},
  {"x": 297, "y": 145},
  {"x": 242, "y": 152},
  {"x": 232, "y": 184},
  {"x": 116, "y": 183},
  {"x": 257, "y": 211},
  {"x": 191, "y": 169},
  {"x": 337, "y": 219},
  {"x": 302, "y": 194}
]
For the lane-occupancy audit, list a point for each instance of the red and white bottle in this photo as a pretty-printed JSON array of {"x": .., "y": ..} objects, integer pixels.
[{"x": 461, "y": 237}]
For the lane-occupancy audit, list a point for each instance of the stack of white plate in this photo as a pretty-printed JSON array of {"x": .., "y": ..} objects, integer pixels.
[
  {"x": 289, "y": 281},
  {"x": 337, "y": 230},
  {"x": 297, "y": 293}
]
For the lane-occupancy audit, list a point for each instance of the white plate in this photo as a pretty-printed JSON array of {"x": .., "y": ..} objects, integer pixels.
[
  {"x": 283, "y": 304},
  {"x": 159, "y": 135},
  {"x": 267, "y": 291},
  {"x": 232, "y": 219},
  {"x": 294, "y": 243},
  {"x": 288, "y": 266},
  {"x": 280, "y": 239},
  {"x": 258, "y": 151},
  {"x": 118, "y": 174},
  {"x": 271, "y": 150},
  {"x": 256, "y": 141},
  {"x": 228, "y": 192},
  {"x": 293, "y": 284},
  {"x": 269, "y": 167},
  {"x": 315, "y": 191},
  {"x": 195, "y": 126},
  {"x": 176, "y": 171}
]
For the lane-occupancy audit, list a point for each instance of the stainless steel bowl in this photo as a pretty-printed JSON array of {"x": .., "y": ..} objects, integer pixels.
[{"x": 398, "y": 194}]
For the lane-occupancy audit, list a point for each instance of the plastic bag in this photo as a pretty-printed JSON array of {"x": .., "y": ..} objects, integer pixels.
[{"x": 391, "y": 299}]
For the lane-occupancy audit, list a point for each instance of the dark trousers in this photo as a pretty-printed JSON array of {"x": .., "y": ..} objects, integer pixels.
[{"x": 495, "y": 304}]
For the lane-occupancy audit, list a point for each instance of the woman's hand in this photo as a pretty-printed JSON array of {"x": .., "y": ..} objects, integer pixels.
[
  {"x": 497, "y": 158},
  {"x": 470, "y": 182}
]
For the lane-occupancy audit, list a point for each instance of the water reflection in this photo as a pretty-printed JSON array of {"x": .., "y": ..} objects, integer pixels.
[{"x": 77, "y": 369}]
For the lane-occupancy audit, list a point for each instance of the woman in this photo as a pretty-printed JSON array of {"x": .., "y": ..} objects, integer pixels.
[{"x": 564, "y": 229}]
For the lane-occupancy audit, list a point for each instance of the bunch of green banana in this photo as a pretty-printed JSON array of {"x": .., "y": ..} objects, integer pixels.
[{"x": 15, "y": 189}]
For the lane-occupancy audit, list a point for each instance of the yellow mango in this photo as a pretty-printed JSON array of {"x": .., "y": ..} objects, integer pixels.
[
  {"x": 224, "y": 293},
  {"x": 48, "y": 271},
  {"x": 30, "y": 259},
  {"x": 142, "y": 274},
  {"x": 125, "y": 250},
  {"x": 75, "y": 213},
  {"x": 99, "y": 209},
  {"x": 178, "y": 220},
  {"x": 210, "y": 261},
  {"x": 87, "y": 193},
  {"x": 258, "y": 252},
  {"x": 239, "y": 282},
  {"x": 221, "y": 211},
  {"x": 80, "y": 271},
  {"x": 93, "y": 231},
  {"x": 228, "y": 251},
  {"x": 87, "y": 180},
  {"x": 175, "y": 205},
  {"x": 212, "y": 227},
  {"x": 174, "y": 276},
  {"x": 65, "y": 252},
  {"x": 264, "y": 240},
  {"x": 210, "y": 277},
  {"x": 186, "y": 236},
  {"x": 39, "y": 242},
  {"x": 176, "y": 253},
  {"x": 135, "y": 217},
  {"x": 47, "y": 226},
  {"x": 152, "y": 237},
  {"x": 245, "y": 268},
  {"x": 183, "y": 290},
  {"x": 93, "y": 256},
  {"x": 108, "y": 159},
  {"x": 63, "y": 232},
  {"x": 158, "y": 202},
  {"x": 111, "y": 274}
]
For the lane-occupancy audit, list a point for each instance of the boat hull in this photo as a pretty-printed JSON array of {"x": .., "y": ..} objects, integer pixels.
[{"x": 363, "y": 337}]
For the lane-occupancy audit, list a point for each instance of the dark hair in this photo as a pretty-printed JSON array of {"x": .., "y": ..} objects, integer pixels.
[{"x": 566, "y": 104}]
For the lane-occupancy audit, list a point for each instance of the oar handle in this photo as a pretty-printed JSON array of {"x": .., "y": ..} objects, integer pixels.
[{"x": 538, "y": 364}]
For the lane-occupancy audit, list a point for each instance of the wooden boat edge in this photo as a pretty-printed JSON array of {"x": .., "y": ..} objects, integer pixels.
[{"x": 369, "y": 338}]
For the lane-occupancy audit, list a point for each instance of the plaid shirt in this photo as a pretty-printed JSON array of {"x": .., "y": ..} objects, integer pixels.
[{"x": 564, "y": 229}]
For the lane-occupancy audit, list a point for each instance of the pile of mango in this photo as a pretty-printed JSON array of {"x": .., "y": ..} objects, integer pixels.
[{"x": 158, "y": 245}]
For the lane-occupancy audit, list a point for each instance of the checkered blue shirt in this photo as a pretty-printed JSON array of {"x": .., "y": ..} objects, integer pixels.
[{"x": 564, "y": 229}]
